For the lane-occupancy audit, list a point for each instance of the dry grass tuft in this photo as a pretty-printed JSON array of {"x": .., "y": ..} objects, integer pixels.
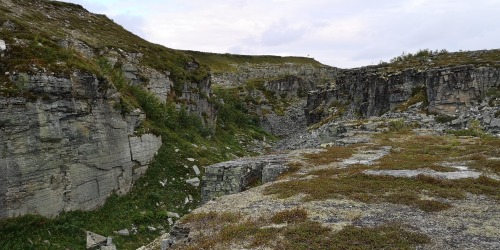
[
  {"x": 290, "y": 216},
  {"x": 331, "y": 154}
]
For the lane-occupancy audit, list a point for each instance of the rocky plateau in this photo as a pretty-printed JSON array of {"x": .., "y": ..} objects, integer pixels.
[{"x": 405, "y": 154}]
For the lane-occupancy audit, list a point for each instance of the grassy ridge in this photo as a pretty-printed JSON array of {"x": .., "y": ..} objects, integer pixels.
[
  {"x": 219, "y": 63},
  {"x": 42, "y": 24},
  {"x": 426, "y": 58}
]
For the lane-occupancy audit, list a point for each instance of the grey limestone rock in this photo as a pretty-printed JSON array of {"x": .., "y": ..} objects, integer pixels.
[
  {"x": 94, "y": 240},
  {"x": 196, "y": 170},
  {"x": 235, "y": 176},
  {"x": 249, "y": 71},
  {"x": 367, "y": 92},
  {"x": 195, "y": 182},
  {"x": 123, "y": 232},
  {"x": 68, "y": 149},
  {"x": 2, "y": 45}
]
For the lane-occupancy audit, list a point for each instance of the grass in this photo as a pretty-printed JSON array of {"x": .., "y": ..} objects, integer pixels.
[
  {"x": 148, "y": 202},
  {"x": 42, "y": 34},
  {"x": 331, "y": 154},
  {"x": 290, "y": 216},
  {"x": 474, "y": 129},
  {"x": 221, "y": 63},
  {"x": 373, "y": 189},
  {"x": 408, "y": 152},
  {"x": 426, "y": 58},
  {"x": 305, "y": 234},
  {"x": 311, "y": 235},
  {"x": 419, "y": 94}
]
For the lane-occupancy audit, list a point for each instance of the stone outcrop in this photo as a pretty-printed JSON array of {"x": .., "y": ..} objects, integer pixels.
[
  {"x": 370, "y": 91},
  {"x": 235, "y": 176},
  {"x": 249, "y": 71},
  {"x": 289, "y": 89},
  {"x": 196, "y": 96},
  {"x": 63, "y": 146}
]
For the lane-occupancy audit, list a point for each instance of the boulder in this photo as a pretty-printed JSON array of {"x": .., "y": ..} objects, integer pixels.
[
  {"x": 95, "y": 240},
  {"x": 195, "y": 182}
]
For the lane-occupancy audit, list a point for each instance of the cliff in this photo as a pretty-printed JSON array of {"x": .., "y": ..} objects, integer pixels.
[
  {"x": 89, "y": 110},
  {"x": 453, "y": 90},
  {"x": 383, "y": 148},
  {"x": 73, "y": 130},
  {"x": 66, "y": 147}
]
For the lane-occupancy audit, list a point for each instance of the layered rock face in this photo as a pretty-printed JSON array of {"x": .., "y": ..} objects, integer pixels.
[
  {"x": 63, "y": 146},
  {"x": 369, "y": 92},
  {"x": 247, "y": 72},
  {"x": 235, "y": 176},
  {"x": 196, "y": 96},
  {"x": 288, "y": 89}
]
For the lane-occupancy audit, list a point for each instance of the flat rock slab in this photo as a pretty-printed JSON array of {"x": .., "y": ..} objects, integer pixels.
[
  {"x": 367, "y": 157},
  {"x": 413, "y": 173}
]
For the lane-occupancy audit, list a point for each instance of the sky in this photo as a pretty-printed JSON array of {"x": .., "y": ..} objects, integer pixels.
[{"x": 341, "y": 33}]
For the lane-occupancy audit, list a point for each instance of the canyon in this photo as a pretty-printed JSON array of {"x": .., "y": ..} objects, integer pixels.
[{"x": 95, "y": 128}]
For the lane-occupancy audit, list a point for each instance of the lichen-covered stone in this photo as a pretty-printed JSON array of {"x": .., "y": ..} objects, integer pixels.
[{"x": 234, "y": 176}]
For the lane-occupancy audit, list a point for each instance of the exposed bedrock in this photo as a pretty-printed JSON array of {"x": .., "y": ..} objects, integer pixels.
[
  {"x": 369, "y": 92},
  {"x": 63, "y": 146},
  {"x": 235, "y": 176}
]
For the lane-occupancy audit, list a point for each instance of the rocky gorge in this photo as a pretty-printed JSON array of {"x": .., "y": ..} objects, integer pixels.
[
  {"x": 354, "y": 109},
  {"x": 136, "y": 141}
]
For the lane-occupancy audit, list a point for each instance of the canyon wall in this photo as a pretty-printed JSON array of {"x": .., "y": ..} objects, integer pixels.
[
  {"x": 366, "y": 92},
  {"x": 64, "y": 146},
  {"x": 249, "y": 71}
]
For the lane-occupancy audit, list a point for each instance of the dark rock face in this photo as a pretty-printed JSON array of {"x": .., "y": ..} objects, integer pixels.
[
  {"x": 369, "y": 92},
  {"x": 63, "y": 146},
  {"x": 291, "y": 89},
  {"x": 197, "y": 96},
  {"x": 235, "y": 176}
]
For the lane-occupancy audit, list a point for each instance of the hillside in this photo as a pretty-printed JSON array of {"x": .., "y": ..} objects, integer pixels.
[
  {"x": 104, "y": 132},
  {"x": 93, "y": 119}
]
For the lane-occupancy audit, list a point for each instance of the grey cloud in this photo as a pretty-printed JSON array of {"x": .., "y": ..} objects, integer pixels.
[{"x": 281, "y": 33}]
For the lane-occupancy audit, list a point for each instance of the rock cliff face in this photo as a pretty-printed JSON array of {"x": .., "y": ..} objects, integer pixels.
[
  {"x": 369, "y": 92},
  {"x": 291, "y": 91},
  {"x": 63, "y": 145},
  {"x": 196, "y": 98},
  {"x": 247, "y": 72},
  {"x": 194, "y": 95},
  {"x": 280, "y": 94},
  {"x": 235, "y": 176}
]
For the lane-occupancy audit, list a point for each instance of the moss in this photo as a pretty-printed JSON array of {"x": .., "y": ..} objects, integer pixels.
[
  {"x": 409, "y": 152},
  {"x": 306, "y": 234},
  {"x": 290, "y": 216},
  {"x": 444, "y": 118},
  {"x": 419, "y": 94},
  {"x": 221, "y": 63}
]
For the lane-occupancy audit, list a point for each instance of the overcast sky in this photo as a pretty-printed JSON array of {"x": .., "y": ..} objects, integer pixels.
[{"x": 342, "y": 33}]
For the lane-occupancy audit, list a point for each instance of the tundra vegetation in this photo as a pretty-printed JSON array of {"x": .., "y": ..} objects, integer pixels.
[{"x": 34, "y": 47}]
